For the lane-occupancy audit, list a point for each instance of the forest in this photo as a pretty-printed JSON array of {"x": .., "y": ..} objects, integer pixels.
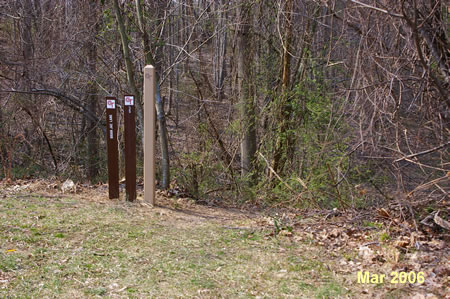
[{"x": 319, "y": 108}]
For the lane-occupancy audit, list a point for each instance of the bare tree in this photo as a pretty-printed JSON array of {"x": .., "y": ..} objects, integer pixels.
[
  {"x": 245, "y": 88},
  {"x": 91, "y": 49}
]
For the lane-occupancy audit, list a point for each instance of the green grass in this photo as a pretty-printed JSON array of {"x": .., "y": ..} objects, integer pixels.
[{"x": 72, "y": 248}]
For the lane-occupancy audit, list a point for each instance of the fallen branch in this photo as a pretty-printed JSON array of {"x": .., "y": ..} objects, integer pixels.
[
  {"x": 424, "y": 152},
  {"x": 428, "y": 220},
  {"x": 429, "y": 184},
  {"x": 441, "y": 222}
]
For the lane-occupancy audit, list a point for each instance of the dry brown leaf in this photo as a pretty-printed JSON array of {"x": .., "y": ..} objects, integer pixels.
[
  {"x": 437, "y": 244},
  {"x": 383, "y": 213},
  {"x": 401, "y": 243},
  {"x": 334, "y": 233}
]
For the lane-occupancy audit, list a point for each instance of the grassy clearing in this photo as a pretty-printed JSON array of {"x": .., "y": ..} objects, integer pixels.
[{"x": 67, "y": 247}]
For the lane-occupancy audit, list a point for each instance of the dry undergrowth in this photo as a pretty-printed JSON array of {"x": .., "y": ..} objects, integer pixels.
[{"x": 80, "y": 244}]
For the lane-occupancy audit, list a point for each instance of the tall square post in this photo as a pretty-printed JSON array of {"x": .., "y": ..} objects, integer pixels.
[
  {"x": 149, "y": 134},
  {"x": 129, "y": 111},
  {"x": 113, "y": 147}
]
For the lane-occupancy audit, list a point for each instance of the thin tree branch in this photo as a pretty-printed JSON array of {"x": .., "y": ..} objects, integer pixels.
[
  {"x": 72, "y": 102},
  {"x": 275, "y": 173},
  {"x": 424, "y": 152},
  {"x": 377, "y": 9}
]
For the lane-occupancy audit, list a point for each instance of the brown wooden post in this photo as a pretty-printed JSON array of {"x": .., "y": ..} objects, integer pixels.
[
  {"x": 113, "y": 147},
  {"x": 130, "y": 147},
  {"x": 149, "y": 134}
]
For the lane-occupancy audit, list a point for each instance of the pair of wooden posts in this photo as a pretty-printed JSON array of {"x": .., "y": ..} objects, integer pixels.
[{"x": 130, "y": 141}]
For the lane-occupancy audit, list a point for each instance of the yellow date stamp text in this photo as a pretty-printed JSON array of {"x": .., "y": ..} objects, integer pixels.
[{"x": 365, "y": 277}]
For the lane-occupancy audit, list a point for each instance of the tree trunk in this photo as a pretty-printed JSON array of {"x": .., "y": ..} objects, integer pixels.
[
  {"x": 93, "y": 145},
  {"x": 28, "y": 67},
  {"x": 220, "y": 49},
  {"x": 149, "y": 59},
  {"x": 286, "y": 74},
  {"x": 283, "y": 141},
  {"x": 245, "y": 90},
  {"x": 27, "y": 43},
  {"x": 130, "y": 69}
]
